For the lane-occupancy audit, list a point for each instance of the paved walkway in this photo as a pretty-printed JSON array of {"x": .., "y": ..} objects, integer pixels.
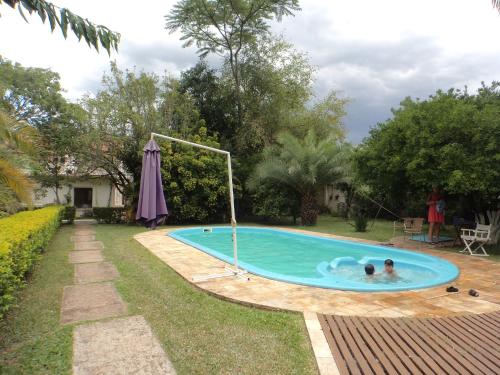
[
  {"x": 123, "y": 345},
  {"x": 477, "y": 273}
]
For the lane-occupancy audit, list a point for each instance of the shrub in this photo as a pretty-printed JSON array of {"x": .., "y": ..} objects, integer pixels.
[
  {"x": 69, "y": 214},
  {"x": 109, "y": 215},
  {"x": 360, "y": 220},
  {"x": 23, "y": 237}
]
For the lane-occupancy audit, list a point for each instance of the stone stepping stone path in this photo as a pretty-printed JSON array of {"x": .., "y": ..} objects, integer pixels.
[
  {"x": 88, "y": 245},
  {"x": 82, "y": 237},
  {"x": 86, "y": 256},
  {"x": 91, "y": 302},
  {"x": 95, "y": 272},
  {"x": 119, "y": 346}
]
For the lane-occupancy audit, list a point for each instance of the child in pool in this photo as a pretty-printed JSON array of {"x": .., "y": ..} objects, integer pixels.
[
  {"x": 389, "y": 268},
  {"x": 369, "y": 271}
]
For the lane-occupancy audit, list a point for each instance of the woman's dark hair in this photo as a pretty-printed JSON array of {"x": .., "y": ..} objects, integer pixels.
[
  {"x": 369, "y": 269},
  {"x": 389, "y": 262}
]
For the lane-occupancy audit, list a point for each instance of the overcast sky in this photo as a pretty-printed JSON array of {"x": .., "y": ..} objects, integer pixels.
[{"x": 374, "y": 52}]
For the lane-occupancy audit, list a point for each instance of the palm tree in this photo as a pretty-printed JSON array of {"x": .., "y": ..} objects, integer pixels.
[
  {"x": 15, "y": 137},
  {"x": 304, "y": 164}
]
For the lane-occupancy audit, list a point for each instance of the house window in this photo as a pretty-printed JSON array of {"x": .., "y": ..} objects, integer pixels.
[{"x": 83, "y": 197}]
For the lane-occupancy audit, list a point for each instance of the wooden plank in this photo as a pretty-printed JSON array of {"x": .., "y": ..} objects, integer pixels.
[
  {"x": 473, "y": 335},
  {"x": 409, "y": 360},
  {"x": 482, "y": 321},
  {"x": 339, "y": 359},
  {"x": 445, "y": 347},
  {"x": 473, "y": 354},
  {"x": 428, "y": 346},
  {"x": 344, "y": 347},
  {"x": 427, "y": 364},
  {"x": 494, "y": 323},
  {"x": 483, "y": 326},
  {"x": 467, "y": 344},
  {"x": 366, "y": 350},
  {"x": 389, "y": 361}
]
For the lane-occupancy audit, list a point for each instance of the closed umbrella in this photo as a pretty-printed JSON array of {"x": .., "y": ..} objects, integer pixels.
[{"x": 152, "y": 208}]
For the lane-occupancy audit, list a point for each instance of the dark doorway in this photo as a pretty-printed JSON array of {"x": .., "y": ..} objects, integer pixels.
[{"x": 83, "y": 197}]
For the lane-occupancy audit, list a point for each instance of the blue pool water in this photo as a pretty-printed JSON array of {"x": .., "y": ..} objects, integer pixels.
[{"x": 318, "y": 261}]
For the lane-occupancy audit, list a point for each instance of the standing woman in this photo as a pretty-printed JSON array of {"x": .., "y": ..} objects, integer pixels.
[{"x": 435, "y": 216}]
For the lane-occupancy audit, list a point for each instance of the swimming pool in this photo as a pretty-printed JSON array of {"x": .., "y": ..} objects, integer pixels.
[{"x": 318, "y": 261}]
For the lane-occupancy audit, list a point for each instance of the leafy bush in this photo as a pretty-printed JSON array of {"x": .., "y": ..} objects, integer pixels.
[
  {"x": 109, "y": 215},
  {"x": 24, "y": 236},
  {"x": 360, "y": 220},
  {"x": 69, "y": 214},
  {"x": 195, "y": 181}
]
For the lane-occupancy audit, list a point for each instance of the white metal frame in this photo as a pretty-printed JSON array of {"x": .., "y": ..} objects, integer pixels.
[
  {"x": 229, "y": 271},
  {"x": 479, "y": 236}
]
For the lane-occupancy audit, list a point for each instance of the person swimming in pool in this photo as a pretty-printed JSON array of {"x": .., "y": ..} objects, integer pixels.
[
  {"x": 369, "y": 271},
  {"x": 389, "y": 268}
]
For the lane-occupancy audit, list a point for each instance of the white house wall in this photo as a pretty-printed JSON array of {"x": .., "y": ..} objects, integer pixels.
[{"x": 100, "y": 194}]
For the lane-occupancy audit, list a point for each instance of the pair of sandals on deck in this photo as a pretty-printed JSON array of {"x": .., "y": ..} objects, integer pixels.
[{"x": 472, "y": 292}]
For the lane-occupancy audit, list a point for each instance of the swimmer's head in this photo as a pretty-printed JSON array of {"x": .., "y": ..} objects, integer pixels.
[
  {"x": 369, "y": 269},
  {"x": 389, "y": 266}
]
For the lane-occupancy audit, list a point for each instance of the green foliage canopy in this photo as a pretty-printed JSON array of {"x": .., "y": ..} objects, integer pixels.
[
  {"x": 304, "y": 165},
  {"x": 451, "y": 139},
  {"x": 195, "y": 181}
]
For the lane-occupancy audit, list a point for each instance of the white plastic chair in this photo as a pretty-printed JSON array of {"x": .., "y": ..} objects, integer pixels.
[{"x": 478, "y": 237}]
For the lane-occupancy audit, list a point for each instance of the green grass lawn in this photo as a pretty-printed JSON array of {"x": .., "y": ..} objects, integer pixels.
[
  {"x": 200, "y": 333},
  {"x": 31, "y": 339}
]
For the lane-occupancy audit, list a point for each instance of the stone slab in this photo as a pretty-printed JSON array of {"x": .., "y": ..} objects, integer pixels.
[
  {"x": 89, "y": 245},
  {"x": 89, "y": 256},
  {"x": 83, "y": 238},
  {"x": 119, "y": 346},
  {"x": 84, "y": 232},
  {"x": 95, "y": 272},
  {"x": 91, "y": 302}
]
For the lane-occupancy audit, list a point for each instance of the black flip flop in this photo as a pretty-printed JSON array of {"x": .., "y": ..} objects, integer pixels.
[
  {"x": 452, "y": 289},
  {"x": 473, "y": 293}
]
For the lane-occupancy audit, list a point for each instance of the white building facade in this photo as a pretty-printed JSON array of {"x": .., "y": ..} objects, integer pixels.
[{"x": 83, "y": 194}]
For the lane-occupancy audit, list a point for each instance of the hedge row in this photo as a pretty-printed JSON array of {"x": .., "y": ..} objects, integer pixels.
[
  {"x": 109, "y": 215},
  {"x": 23, "y": 237}
]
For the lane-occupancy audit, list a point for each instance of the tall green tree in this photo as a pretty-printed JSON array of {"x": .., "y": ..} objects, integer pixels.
[
  {"x": 304, "y": 165},
  {"x": 226, "y": 27},
  {"x": 451, "y": 139},
  {"x": 277, "y": 83},
  {"x": 33, "y": 97},
  {"x": 130, "y": 106},
  {"x": 62, "y": 18}
]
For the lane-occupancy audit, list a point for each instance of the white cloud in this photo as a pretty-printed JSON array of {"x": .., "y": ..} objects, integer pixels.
[{"x": 375, "y": 52}]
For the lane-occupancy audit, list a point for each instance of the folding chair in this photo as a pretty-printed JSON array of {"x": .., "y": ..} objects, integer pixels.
[
  {"x": 478, "y": 237},
  {"x": 412, "y": 226}
]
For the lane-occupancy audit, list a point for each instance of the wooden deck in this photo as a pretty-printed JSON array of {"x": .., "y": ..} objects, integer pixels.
[{"x": 452, "y": 345}]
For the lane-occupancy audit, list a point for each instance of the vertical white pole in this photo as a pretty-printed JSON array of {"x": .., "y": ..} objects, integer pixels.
[
  {"x": 233, "y": 215},
  {"x": 231, "y": 194}
]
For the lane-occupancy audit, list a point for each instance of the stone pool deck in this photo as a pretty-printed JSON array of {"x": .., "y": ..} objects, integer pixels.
[{"x": 478, "y": 273}]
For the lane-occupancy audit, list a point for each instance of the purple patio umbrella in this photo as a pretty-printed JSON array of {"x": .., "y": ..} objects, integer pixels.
[{"x": 152, "y": 208}]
